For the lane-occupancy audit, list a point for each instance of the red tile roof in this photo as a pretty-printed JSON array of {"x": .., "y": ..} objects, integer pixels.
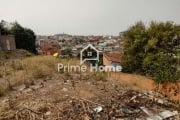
[{"x": 114, "y": 57}]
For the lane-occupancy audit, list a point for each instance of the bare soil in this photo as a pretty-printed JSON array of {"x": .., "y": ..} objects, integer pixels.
[{"x": 76, "y": 97}]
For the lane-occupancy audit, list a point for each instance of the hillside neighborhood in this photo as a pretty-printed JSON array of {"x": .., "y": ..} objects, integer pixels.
[
  {"x": 87, "y": 96},
  {"x": 89, "y": 60},
  {"x": 48, "y": 45}
]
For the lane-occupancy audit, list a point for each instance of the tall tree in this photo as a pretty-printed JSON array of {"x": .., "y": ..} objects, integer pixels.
[
  {"x": 4, "y": 29},
  {"x": 153, "y": 50}
]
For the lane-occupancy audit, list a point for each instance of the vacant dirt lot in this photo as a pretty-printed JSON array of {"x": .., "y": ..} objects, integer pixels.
[
  {"x": 34, "y": 90},
  {"x": 82, "y": 97}
]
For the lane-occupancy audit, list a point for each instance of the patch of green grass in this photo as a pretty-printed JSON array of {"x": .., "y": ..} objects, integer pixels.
[{"x": 100, "y": 76}]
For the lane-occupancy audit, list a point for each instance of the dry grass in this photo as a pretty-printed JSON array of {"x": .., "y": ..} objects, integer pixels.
[
  {"x": 27, "y": 70},
  {"x": 19, "y": 53},
  {"x": 23, "y": 71},
  {"x": 2, "y": 91},
  {"x": 40, "y": 66}
]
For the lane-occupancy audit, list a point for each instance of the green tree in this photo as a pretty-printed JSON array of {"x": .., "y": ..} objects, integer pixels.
[
  {"x": 67, "y": 51},
  {"x": 25, "y": 38},
  {"x": 135, "y": 38},
  {"x": 153, "y": 50},
  {"x": 3, "y": 28}
]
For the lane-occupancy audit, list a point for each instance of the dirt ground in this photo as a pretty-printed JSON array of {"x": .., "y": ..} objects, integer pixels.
[
  {"x": 82, "y": 97},
  {"x": 169, "y": 89}
]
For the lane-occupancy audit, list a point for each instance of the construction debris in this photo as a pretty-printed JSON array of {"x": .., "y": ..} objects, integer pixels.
[
  {"x": 98, "y": 109},
  {"x": 88, "y": 101}
]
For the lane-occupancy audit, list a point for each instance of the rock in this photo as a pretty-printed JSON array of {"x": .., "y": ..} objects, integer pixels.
[
  {"x": 134, "y": 97},
  {"x": 86, "y": 117},
  {"x": 98, "y": 109},
  {"x": 160, "y": 101},
  {"x": 35, "y": 87},
  {"x": 48, "y": 113},
  {"x": 64, "y": 89},
  {"x": 167, "y": 114},
  {"x": 88, "y": 83},
  {"x": 20, "y": 88},
  {"x": 66, "y": 95},
  {"x": 27, "y": 90}
]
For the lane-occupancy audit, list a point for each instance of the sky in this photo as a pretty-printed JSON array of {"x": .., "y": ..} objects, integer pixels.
[{"x": 87, "y": 17}]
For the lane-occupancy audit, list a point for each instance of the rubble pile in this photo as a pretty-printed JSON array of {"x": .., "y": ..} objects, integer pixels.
[
  {"x": 86, "y": 100},
  {"x": 131, "y": 105}
]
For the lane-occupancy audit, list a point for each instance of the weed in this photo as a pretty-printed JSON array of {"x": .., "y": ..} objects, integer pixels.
[{"x": 100, "y": 76}]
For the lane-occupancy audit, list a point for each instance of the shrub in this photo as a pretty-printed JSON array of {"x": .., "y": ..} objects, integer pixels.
[
  {"x": 40, "y": 71},
  {"x": 100, "y": 76},
  {"x": 152, "y": 50},
  {"x": 17, "y": 65}
]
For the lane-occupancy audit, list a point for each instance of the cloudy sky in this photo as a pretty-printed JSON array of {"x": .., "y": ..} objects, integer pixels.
[{"x": 87, "y": 17}]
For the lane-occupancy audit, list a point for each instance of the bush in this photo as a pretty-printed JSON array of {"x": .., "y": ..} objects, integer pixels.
[
  {"x": 40, "y": 71},
  {"x": 17, "y": 65},
  {"x": 152, "y": 51},
  {"x": 100, "y": 76}
]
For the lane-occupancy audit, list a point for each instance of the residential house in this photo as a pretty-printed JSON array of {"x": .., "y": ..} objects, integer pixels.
[
  {"x": 112, "y": 59},
  {"x": 49, "y": 47}
]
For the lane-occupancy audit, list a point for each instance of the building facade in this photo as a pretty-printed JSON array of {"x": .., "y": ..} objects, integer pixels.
[{"x": 48, "y": 47}]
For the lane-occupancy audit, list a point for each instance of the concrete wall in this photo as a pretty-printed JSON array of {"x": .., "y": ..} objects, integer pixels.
[
  {"x": 7, "y": 42},
  {"x": 106, "y": 62}
]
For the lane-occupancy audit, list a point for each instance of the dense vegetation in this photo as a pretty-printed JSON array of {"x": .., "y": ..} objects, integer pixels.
[
  {"x": 153, "y": 50},
  {"x": 25, "y": 38}
]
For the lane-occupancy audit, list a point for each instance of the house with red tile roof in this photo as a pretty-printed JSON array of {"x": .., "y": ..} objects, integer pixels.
[
  {"x": 48, "y": 47},
  {"x": 112, "y": 59}
]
